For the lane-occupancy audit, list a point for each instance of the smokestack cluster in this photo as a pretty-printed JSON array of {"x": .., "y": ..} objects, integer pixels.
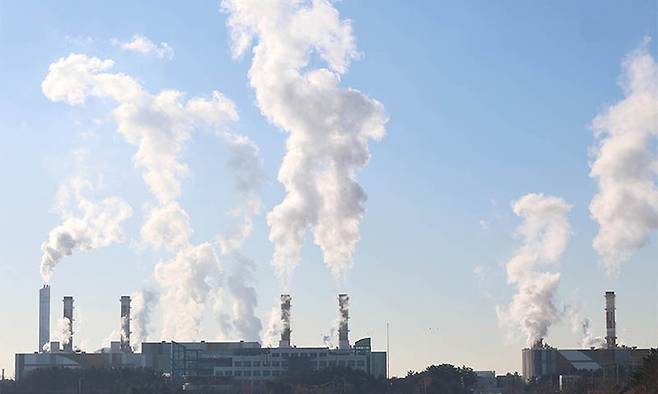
[
  {"x": 285, "y": 320},
  {"x": 68, "y": 317},
  {"x": 44, "y": 317},
  {"x": 343, "y": 330},
  {"x": 125, "y": 324},
  {"x": 610, "y": 324}
]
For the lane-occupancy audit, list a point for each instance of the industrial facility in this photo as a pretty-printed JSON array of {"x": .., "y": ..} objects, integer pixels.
[
  {"x": 183, "y": 360},
  {"x": 612, "y": 363}
]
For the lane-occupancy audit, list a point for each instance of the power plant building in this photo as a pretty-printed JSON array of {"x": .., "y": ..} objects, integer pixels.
[
  {"x": 241, "y": 361},
  {"x": 612, "y": 362},
  {"x": 250, "y": 361}
]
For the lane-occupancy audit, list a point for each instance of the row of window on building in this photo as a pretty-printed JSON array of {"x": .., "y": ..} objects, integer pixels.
[
  {"x": 317, "y": 364},
  {"x": 316, "y": 355},
  {"x": 252, "y": 373}
]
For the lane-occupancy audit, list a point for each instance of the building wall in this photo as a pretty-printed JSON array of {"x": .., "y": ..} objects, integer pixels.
[
  {"x": 241, "y": 360},
  {"x": 247, "y": 360},
  {"x": 378, "y": 365},
  {"x": 547, "y": 361},
  {"x": 28, "y": 362}
]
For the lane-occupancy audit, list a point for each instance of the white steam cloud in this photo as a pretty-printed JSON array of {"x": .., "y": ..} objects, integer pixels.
[
  {"x": 62, "y": 331},
  {"x": 329, "y": 127},
  {"x": 626, "y": 164},
  {"x": 86, "y": 224},
  {"x": 141, "y": 309},
  {"x": 189, "y": 279},
  {"x": 581, "y": 325},
  {"x": 589, "y": 340},
  {"x": 159, "y": 126},
  {"x": 545, "y": 232},
  {"x": 272, "y": 333},
  {"x": 245, "y": 165}
]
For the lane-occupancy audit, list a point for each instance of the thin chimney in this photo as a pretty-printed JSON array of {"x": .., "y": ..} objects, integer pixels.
[
  {"x": 125, "y": 324},
  {"x": 285, "y": 320},
  {"x": 343, "y": 329},
  {"x": 610, "y": 324},
  {"x": 44, "y": 317},
  {"x": 68, "y": 314}
]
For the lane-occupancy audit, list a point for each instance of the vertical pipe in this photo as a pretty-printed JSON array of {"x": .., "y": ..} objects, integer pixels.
[
  {"x": 68, "y": 315},
  {"x": 343, "y": 328},
  {"x": 125, "y": 324},
  {"x": 285, "y": 320},
  {"x": 44, "y": 317},
  {"x": 388, "y": 353},
  {"x": 610, "y": 324}
]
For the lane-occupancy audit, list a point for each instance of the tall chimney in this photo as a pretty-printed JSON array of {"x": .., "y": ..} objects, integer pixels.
[
  {"x": 343, "y": 330},
  {"x": 44, "y": 317},
  {"x": 285, "y": 320},
  {"x": 125, "y": 324},
  {"x": 68, "y": 314},
  {"x": 610, "y": 324}
]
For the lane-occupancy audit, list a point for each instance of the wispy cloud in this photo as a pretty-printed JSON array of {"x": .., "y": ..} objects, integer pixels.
[{"x": 142, "y": 44}]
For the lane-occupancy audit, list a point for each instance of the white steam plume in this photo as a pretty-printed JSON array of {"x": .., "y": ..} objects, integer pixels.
[
  {"x": 588, "y": 339},
  {"x": 545, "y": 231},
  {"x": 272, "y": 332},
  {"x": 141, "y": 310},
  {"x": 626, "y": 164},
  {"x": 159, "y": 126},
  {"x": 245, "y": 165},
  {"x": 86, "y": 224},
  {"x": 189, "y": 280},
  {"x": 244, "y": 320},
  {"x": 581, "y": 325},
  {"x": 62, "y": 331},
  {"x": 329, "y": 126}
]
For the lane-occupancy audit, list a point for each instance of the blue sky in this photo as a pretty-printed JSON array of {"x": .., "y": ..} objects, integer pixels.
[{"x": 487, "y": 102}]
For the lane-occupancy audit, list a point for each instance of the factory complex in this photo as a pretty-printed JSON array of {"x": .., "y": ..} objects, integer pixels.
[
  {"x": 184, "y": 361},
  {"x": 611, "y": 363}
]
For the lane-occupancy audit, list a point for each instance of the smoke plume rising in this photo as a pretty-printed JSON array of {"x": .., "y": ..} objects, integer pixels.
[
  {"x": 329, "y": 126},
  {"x": 159, "y": 126},
  {"x": 588, "y": 339},
  {"x": 244, "y": 163},
  {"x": 581, "y": 325},
  {"x": 626, "y": 164},
  {"x": 188, "y": 279},
  {"x": 272, "y": 333},
  {"x": 141, "y": 310},
  {"x": 62, "y": 331},
  {"x": 86, "y": 224},
  {"x": 545, "y": 231}
]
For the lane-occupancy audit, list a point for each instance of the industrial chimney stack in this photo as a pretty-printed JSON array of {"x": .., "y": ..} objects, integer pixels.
[
  {"x": 44, "y": 317},
  {"x": 125, "y": 324},
  {"x": 343, "y": 330},
  {"x": 68, "y": 314},
  {"x": 285, "y": 321},
  {"x": 610, "y": 324}
]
